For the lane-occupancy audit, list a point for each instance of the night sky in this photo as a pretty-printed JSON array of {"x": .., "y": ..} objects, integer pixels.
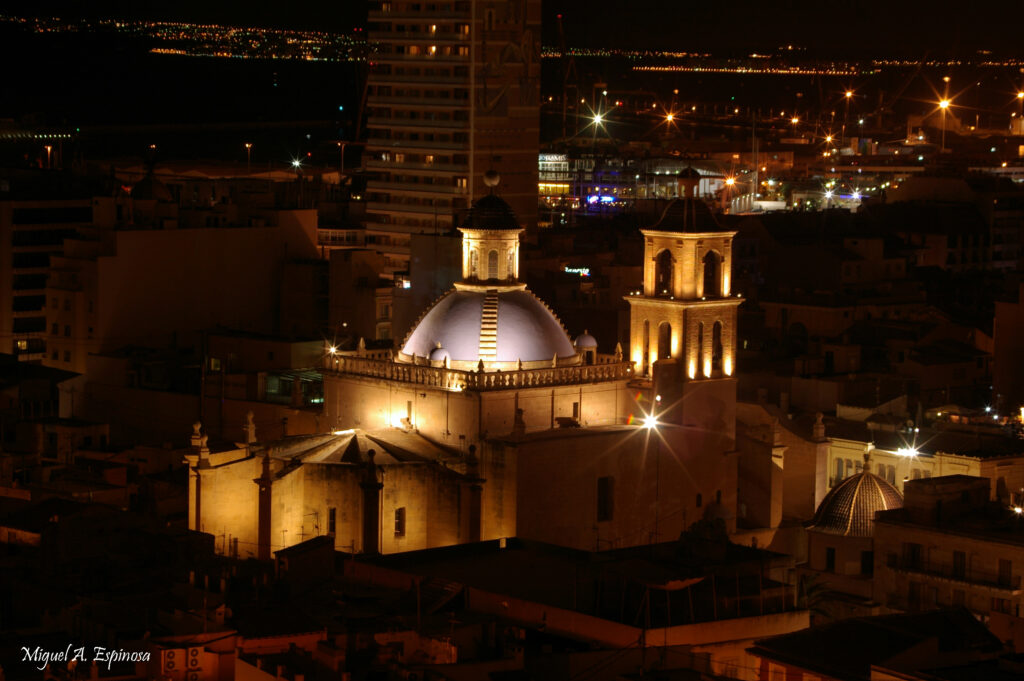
[{"x": 858, "y": 27}]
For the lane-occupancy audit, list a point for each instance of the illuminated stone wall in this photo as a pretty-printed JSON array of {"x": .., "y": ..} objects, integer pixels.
[{"x": 656, "y": 477}]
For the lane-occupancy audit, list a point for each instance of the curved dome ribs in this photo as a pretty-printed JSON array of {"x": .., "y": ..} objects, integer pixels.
[{"x": 849, "y": 509}]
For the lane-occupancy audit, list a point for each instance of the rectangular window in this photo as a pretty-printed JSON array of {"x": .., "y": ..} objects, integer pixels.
[
  {"x": 400, "y": 522},
  {"x": 67, "y": 331},
  {"x": 867, "y": 562},
  {"x": 605, "y": 490},
  {"x": 332, "y": 518},
  {"x": 576, "y": 410},
  {"x": 1005, "y": 573},
  {"x": 959, "y": 564},
  {"x": 67, "y": 355},
  {"x": 958, "y": 598},
  {"x": 911, "y": 555},
  {"x": 830, "y": 559}
]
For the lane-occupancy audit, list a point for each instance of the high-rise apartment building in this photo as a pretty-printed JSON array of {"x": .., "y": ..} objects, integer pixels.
[{"x": 454, "y": 92}]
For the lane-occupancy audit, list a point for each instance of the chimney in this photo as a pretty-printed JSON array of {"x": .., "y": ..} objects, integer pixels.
[{"x": 819, "y": 428}]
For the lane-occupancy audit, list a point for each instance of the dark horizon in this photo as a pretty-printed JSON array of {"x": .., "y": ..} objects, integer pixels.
[{"x": 850, "y": 28}]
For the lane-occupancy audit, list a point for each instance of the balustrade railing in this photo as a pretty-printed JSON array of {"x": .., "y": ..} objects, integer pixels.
[{"x": 454, "y": 379}]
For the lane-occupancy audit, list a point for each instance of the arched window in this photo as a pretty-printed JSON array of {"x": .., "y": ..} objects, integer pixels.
[
  {"x": 474, "y": 264},
  {"x": 492, "y": 265},
  {"x": 510, "y": 272},
  {"x": 663, "y": 274},
  {"x": 712, "y": 275},
  {"x": 664, "y": 340},
  {"x": 716, "y": 348}
]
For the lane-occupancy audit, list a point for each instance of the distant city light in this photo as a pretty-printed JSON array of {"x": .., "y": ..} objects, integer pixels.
[
  {"x": 669, "y": 117},
  {"x": 730, "y": 181},
  {"x": 650, "y": 421},
  {"x": 598, "y": 119},
  {"x": 944, "y": 104},
  {"x": 296, "y": 163},
  {"x": 849, "y": 94},
  {"x": 906, "y": 451},
  {"x": 828, "y": 194}
]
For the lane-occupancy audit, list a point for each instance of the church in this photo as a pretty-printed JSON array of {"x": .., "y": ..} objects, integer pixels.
[{"x": 489, "y": 420}]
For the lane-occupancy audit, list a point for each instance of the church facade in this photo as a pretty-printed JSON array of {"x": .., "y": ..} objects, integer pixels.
[{"x": 507, "y": 426}]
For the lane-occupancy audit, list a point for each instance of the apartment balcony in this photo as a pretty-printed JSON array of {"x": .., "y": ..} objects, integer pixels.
[
  {"x": 407, "y": 209},
  {"x": 418, "y": 17},
  {"x": 425, "y": 168},
  {"x": 380, "y": 144},
  {"x": 420, "y": 80},
  {"x": 415, "y": 188},
  {"x": 415, "y": 124},
  {"x": 406, "y": 37},
  {"x": 945, "y": 572},
  {"x": 418, "y": 103},
  {"x": 421, "y": 58}
]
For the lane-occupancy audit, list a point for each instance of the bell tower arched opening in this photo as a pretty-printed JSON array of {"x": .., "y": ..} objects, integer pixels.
[
  {"x": 712, "y": 275},
  {"x": 663, "y": 274}
]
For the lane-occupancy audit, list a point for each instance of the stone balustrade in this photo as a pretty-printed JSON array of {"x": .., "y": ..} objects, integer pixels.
[{"x": 452, "y": 379}]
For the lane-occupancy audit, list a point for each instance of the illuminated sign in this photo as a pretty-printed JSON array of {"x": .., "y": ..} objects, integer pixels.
[
  {"x": 593, "y": 198},
  {"x": 582, "y": 271}
]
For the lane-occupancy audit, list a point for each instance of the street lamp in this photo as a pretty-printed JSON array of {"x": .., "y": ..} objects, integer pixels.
[
  {"x": 943, "y": 105},
  {"x": 248, "y": 156},
  {"x": 49, "y": 148},
  {"x": 341, "y": 157}
]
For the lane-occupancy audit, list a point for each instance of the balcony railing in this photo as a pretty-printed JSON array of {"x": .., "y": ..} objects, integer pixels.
[
  {"x": 966, "y": 575},
  {"x": 453, "y": 379}
]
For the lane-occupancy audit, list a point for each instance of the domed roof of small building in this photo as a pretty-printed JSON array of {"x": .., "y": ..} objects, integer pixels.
[
  {"x": 525, "y": 328},
  {"x": 687, "y": 215},
  {"x": 439, "y": 354},
  {"x": 849, "y": 509},
  {"x": 491, "y": 212},
  {"x": 585, "y": 340}
]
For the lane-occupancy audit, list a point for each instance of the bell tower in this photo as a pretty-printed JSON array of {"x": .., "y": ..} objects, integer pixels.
[{"x": 683, "y": 322}]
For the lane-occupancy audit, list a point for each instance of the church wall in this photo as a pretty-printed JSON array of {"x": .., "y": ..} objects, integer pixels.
[
  {"x": 229, "y": 506},
  {"x": 498, "y": 497},
  {"x": 596, "y": 404},
  {"x": 442, "y": 415},
  {"x": 651, "y": 479},
  {"x": 430, "y": 500},
  {"x": 325, "y": 487},
  {"x": 288, "y": 508}
]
